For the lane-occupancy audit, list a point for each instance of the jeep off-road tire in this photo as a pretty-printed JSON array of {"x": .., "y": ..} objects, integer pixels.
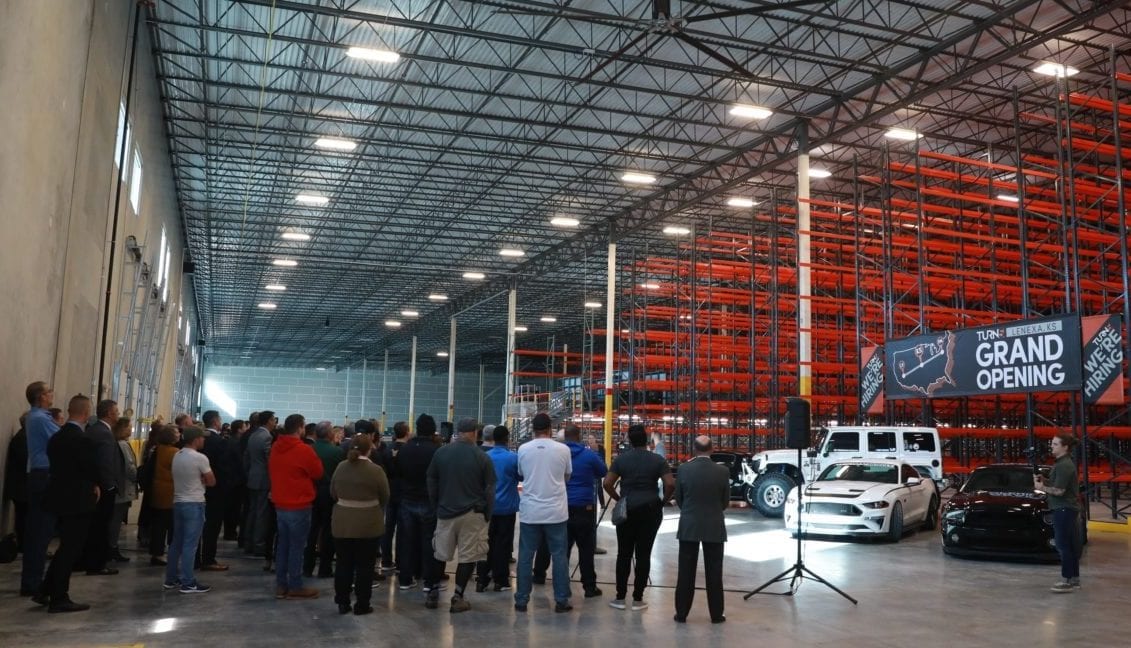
[{"x": 768, "y": 494}]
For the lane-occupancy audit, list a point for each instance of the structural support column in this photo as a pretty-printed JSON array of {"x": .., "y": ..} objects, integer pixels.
[
  {"x": 610, "y": 333},
  {"x": 346, "y": 405},
  {"x": 479, "y": 416},
  {"x": 412, "y": 385},
  {"x": 512, "y": 309},
  {"x": 452, "y": 373},
  {"x": 384, "y": 384},
  {"x": 364, "y": 372},
  {"x": 804, "y": 280}
]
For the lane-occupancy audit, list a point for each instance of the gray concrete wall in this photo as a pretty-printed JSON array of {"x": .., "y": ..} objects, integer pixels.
[{"x": 62, "y": 76}]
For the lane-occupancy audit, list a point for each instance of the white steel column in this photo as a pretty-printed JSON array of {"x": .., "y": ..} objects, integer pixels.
[
  {"x": 610, "y": 333},
  {"x": 512, "y": 309},
  {"x": 412, "y": 384},
  {"x": 384, "y": 384},
  {"x": 346, "y": 405},
  {"x": 452, "y": 373},
  {"x": 804, "y": 285},
  {"x": 364, "y": 367},
  {"x": 479, "y": 416}
]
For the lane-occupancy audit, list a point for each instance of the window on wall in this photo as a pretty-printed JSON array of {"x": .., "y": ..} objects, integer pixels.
[
  {"x": 188, "y": 334},
  {"x": 165, "y": 278},
  {"x": 123, "y": 132},
  {"x": 135, "y": 183},
  {"x": 161, "y": 259}
]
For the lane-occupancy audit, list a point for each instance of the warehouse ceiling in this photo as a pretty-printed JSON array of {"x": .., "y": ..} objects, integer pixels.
[{"x": 497, "y": 117}]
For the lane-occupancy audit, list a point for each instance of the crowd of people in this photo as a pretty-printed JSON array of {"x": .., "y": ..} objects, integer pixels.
[{"x": 318, "y": 499}]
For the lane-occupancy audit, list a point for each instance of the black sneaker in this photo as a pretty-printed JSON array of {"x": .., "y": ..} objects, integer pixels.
[
  {"x": 480, "y": 588},
  {"x": 519, "y": 607},
  {"x": 194, "y": 588},
  {"x": 432, "y": 602},
  {"x": 538, "y": 580},
  {"x": 562, "y": 606},
  {"x": 593, "y": 592},
  {"x": 459, "y": 604}
]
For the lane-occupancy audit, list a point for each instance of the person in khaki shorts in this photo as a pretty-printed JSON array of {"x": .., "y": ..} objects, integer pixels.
[{"x": 461, "y": 487}]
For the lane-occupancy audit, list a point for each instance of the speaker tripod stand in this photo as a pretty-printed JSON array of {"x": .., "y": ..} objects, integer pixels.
[{"x": 798, "y": 572}]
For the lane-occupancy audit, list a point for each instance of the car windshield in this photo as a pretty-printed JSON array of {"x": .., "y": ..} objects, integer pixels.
[
  {"x": 879, "y": 473},
  {"x": 1013, "y": 480}
]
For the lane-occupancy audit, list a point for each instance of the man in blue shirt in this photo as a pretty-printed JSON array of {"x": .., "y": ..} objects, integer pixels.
[
  {"x": 581, "y": 529},
  {"x": 500, "y": 532},
  {"x": 40, "y": 523}
]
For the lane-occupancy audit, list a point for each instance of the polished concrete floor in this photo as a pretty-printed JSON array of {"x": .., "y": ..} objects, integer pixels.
[{"x": 909, "y": 594}]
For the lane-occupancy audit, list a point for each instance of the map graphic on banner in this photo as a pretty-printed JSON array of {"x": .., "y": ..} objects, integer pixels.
[{"x": 1024, "y": 356}]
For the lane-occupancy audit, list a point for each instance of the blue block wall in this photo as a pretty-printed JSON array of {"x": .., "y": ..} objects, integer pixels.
[{"x": 319, "y": 395}]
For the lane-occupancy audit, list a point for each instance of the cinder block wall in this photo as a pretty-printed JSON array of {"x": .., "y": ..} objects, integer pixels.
[{"x": 324, "y": 395}]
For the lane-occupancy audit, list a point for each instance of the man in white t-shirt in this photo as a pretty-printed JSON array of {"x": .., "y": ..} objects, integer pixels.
[
  {"x": 191, "y": 475},
  {"x": 544, "y": 466}
]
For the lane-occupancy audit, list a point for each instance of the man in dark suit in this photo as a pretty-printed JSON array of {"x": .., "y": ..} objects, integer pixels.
[
  {"x": 108, "y": 458},
  {"x": 72, "y": 495},
  {"x": 702, "y": 492},
  {"x": 226, "y": 466}
]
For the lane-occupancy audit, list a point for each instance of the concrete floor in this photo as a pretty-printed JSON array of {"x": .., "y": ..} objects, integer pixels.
[{"x": 910, "y": 595}]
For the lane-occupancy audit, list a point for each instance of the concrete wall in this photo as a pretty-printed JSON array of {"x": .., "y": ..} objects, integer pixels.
[
  {"x": 62, "y": 77},
  {"x": 324, "y": 394}
]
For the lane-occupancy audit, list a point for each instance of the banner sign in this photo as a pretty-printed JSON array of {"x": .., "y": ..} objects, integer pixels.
[
  {"x": 871, "y": 384},
  {"x": 1103, "y": 359},
  {"x": 1036, "y": 355}
]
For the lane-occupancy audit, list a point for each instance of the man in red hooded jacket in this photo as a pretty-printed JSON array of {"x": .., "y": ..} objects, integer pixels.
[{"x": 294, "y": 468}]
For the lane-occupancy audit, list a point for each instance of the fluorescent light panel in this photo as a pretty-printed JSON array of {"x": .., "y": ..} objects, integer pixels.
[
  {"x": 676, "y": 230},
  {"x": 296, "y": 236},
  {"x": 511, "y": 252},
  {"x": 1048, "y": 68},
  {"x": 335, "y": 144},
  {"x": 370, "y": 54},
  {"x": 635, "y": 177},
  {"x": 410, "y": 313},
  {"x": 268, "y": 305},
  {"x": 392, "y": 323},
  {"x": 276, "y": 287},
  {"x": 474, "y": 275},
  {"x": 820, "y": 173},
  {"x": 905, "y": 134},
  {"x": 311, "y": 199},
  {"x": 650, "y": 286},
  {"x": 548, "y": 319},
  {"x": 437, "y": 297},
  {"x": 1008, "y": 198},
  {"x": 750, "y": 111},
  {"x": 564, "y": 221},
  {"x": 590, "y": 304},
  {"x": 740, "y": 202},
  {"x": 286, "y": 263},
  {"x": 520, "y": 329},
  {"x": 441, "y": 354}
]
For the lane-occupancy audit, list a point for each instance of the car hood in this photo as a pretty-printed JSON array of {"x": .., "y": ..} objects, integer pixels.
[
  {"x": 986, "y": 498},
  {"x": 847, "y": 489}
]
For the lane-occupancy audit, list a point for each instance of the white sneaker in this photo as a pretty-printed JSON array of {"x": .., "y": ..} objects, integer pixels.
[
  {"x": 617, "y": 603},
  {"x": 639, "y": 605},
  {"x": 1063, "y": 587}
]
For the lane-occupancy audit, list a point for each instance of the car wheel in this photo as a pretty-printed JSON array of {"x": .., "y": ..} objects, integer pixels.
[
  {"x": 769, "y": 494},
  {"x": 931, "y": 522},
  {"x": 895, "y": 526}
]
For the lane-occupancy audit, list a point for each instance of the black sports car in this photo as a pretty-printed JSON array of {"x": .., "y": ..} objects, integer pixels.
[{"x": 997, "y": 514}]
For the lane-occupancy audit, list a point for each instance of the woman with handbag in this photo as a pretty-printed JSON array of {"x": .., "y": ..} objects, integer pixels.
[
  {"x": 643, "y": 510},
  {"x": 361, "y": 489}
]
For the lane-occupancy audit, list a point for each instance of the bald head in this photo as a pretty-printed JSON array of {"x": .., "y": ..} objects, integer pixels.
[{"x": 702, "y": 445}]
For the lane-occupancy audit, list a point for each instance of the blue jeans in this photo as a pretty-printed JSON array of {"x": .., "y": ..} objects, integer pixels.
[
  {"x": 40, "y": 528},
  {"x": 1066, "y": 530},
  {"x": 188, "y": 521},
  {"x": 530, "y": 537},
  {"x": 293, "y": 528}
]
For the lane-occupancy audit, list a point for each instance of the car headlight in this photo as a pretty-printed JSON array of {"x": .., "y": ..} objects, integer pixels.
[
  {"x": 876, "y": 505},
  {"x": 957, "y": 516}
]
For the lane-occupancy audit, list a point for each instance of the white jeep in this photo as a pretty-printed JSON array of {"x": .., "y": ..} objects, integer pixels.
[{"x": 770, "y": 475}]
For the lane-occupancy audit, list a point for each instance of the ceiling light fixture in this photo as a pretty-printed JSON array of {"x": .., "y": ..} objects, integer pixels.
[
  {"x": 335, "y": 144},
  {"x": 564, "y": 221},
  {"x": 1049, "y": 68},
  {"x": 650, "y": 286},
  {"x": 370, "y": 54},
  {"x": 676, "y": 230},
  {"x": 820, "y": 173},
  {"x": 475, "y": 276},
  {"x": 392, "y": 323},
  {"x": 635, "y": 177},
  {"x": 1008, "y": 198},
  {"x": 441, "y": 354},
  {"x": 437, "y": 297},
  {"x": 311, "y": 199},
  {"x": 320, "y": 368},
  {"x": 740, "y": 202},
  {"x": 750, "y": 111},
  {"x": 592, "y": 304},
  {"x": 285, "y": 263},
  {"x": 905, "y": 134},
  {"x": 296, "y": 236},
  {"x": 549, "y": 319},
  {"x": 268, "y": 305},
  {"x": 519, "y": 329},
  {"x": 276, "y": 287},
  {"x": 511, "y": 252},
  {"x": 410, "y": 313}
]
